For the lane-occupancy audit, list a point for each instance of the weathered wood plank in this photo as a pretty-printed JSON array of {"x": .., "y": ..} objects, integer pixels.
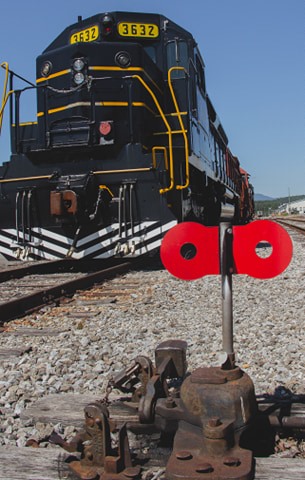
[
  {"x": 6, "y": 353},
  {"x": 33, "y": 332},
  {"x": 68, "y": 409},
  {"x": 50, "y": 464},
  {"x": 33, "y": 464},
  {"x": 280, "y": 469}
]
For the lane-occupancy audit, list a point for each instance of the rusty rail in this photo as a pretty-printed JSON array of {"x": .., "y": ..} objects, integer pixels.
[{"x": 31, "y": 302}]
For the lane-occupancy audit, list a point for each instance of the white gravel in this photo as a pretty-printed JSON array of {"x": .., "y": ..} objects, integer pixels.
[{"x": 269, "y": 337}]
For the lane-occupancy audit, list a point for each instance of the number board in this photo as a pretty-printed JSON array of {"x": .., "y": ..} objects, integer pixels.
[
  {"x": 89, "y": 34},
  {"x": 146, "y": 30}
]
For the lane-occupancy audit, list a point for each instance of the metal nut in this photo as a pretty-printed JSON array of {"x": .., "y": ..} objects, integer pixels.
[
  {"x": 232, "y": 461},
  {"x": 184, "y": 455},
  {"x": 214, "y": 422},
  {"x": 170, "y": 402},
  {"x": 204, "y": 468}
]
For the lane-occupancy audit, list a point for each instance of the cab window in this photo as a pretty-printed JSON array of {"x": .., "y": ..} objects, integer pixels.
[
  {"x": 151, "y": 51},
  {"x": 177, "y": 56}
]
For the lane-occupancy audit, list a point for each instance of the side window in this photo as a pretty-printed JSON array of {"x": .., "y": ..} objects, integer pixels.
[
  {"x": 200, "y": 75},
  {"x": 193, "y": 91},
  {"x": 177, "y": 56}
]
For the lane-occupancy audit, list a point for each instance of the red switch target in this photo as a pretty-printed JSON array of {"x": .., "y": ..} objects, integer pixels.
[
  {"x": 190, "y": 251},
  {"x": 245, "y": 240}
]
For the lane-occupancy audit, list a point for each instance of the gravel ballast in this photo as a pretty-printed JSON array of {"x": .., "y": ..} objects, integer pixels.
[{"x": 98, "y": 340}]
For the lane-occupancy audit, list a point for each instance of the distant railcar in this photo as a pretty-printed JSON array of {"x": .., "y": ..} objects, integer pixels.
[{"x": 126, "y": 144}]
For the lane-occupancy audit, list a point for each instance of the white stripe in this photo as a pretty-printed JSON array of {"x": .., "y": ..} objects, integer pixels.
[
  {"x": 6, "y": 240},
  {"x": 144, "y": 248},
  {"x": 6, "y": 251},
  {"x": 53, "y": 236},
  {"x": 112, "y": 241},
  {"x": 109, "y": 229},
  {"x": 109, "y": 242}
]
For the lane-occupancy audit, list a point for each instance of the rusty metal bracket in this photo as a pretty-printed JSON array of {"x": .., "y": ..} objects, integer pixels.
[
  {"x": 134, "y": 378},
  {"x": 215, "y": 408},
  {"x": 98, "y": 458},
  {"x": 211, "y": 451},
  {"x": 170, "y": 358}
]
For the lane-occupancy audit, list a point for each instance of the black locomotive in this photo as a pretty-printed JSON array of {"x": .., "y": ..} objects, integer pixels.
[{"x": 126, "y": 144}]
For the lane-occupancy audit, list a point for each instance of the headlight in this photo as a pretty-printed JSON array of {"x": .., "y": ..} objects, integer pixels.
[
  {"x": 46, "y": 69},
  {"x": 123, "y": 59},
  {"x": 78, "y": 78},
  {"x": 78, "y": 64}
]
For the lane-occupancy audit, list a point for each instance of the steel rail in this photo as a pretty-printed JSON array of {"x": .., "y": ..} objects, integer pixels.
[
  {"x": 35, "y": 268},
  {"x": 31, "y": 302},
  {"x": 291, "y": 225}
]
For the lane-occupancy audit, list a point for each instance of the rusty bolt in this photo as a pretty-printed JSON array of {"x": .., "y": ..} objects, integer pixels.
[
  {"x": 170, "y": 402},
  {"x": 131, "y": 472},
  {"x": 184, "y": 455},
  {"x": 214, "y": 422},
  {"x": 231, "y": 462},
  {"x": 204, "y": 468}
]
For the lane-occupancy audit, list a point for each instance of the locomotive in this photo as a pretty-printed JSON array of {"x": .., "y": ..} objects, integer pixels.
[{"x": 125, "y": 145}]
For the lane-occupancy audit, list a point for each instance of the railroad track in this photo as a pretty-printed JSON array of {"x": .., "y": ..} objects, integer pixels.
[
  {"x": 83, "y": 323},
  {"x": 295, "y": 223},
  {"x": 28, "y": 288}
]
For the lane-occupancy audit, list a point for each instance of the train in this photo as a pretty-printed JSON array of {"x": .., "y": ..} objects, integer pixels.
[{"x": 126, "y": 143}]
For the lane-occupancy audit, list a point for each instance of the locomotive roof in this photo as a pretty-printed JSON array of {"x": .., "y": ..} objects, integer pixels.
[{"x": 165, "y": 25}]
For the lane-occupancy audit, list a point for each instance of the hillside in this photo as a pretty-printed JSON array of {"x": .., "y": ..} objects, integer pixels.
[
  {"x": 260, "y": 197},
  {"x": 265, "y": 205}
]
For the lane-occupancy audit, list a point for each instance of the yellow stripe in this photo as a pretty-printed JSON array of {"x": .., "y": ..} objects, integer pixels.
[
  {"x": 130, "y": 170},
  {"x": 97, "y": 104},
  {"x": 99, "y": 68},
  {"x": 124, "y": 104},
  {"x": 128, "y": 69},
  {"x": 25, "y": 179},
  {"x": 116, "y": 69},
  {"x": 54, "y": 75},
  {"x": 46, "y": 177},
  {"x": 24, "y": 124},
  {"x": 67, "y": 107},
  {"x": 111, "y": 104}
]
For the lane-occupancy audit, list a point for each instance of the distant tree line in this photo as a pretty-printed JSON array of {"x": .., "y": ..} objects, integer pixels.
[{"x": 265, "y": 205}]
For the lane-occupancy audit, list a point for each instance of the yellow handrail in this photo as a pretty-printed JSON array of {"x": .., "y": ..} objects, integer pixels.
[
  {"x": 5, "y": 95},
  {"x": 186, "y": 147},
  {"x": 169, "y": 131},
  {"x": 154, "y": 149}
]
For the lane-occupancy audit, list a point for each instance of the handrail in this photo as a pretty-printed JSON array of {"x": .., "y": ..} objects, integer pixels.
[
  {"x": 186, "y": 146},
  {"x": 169, "y": 131},
  {"x": 5, "y": 94},
  {"x": 154, "y": 149}
]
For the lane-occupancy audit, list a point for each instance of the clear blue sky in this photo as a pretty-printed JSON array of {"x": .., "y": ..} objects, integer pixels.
[{"x": 254, "y": 56}]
